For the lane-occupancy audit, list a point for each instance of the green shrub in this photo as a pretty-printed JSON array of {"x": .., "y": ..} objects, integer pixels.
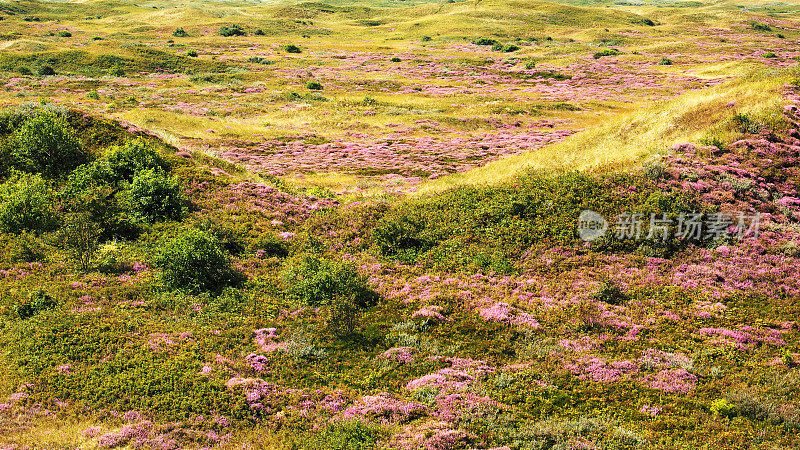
[
  {"x": 94, "y": 95},
  {"x": 47, "y": 145},
  {"x": 191, "y": 53},
  {"x": 260, "y": 60},
  {"x": 180, "y": 32},
  {"x": 153, "y": 196},
  {"x": 231, "y": 30},
  {"x": 395, "y": 59},
  {"x": 352, "y": 435},
  {"x": 665, "y": 62},
  {"x": 530, "y": 65},
  {"x": 80, "y": 238},
  {"x": 291, "y": 48},
  {"x": 46, "y": 70},
  {"x": 770, "y": 55},
  {"x": 270, "y": 245},
  {"x": 485, "y": 41},
  {"x": 758, "y": 26},
  {"x": 508, "y": 48},
  {"x": 610, "y": 293},
  {"x": 497, "y": 47},
  {"x": 26, "y": 205},
  {"x": 259, "y": 32},
  {"x": 722, "y": 407},
  {"x": 36, "y": 303},
  {"x": 606, "y": 52},
  {"x": 195, "y": 261},
  {"x": 64, "y": 33},
  {"x": 316, "y": 281},
  {"x": 314, "y": 85},
  {"x": 116, "y": 71}
]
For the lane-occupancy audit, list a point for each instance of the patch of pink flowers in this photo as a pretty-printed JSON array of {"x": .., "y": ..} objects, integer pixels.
[
  {"x": 672, "y": 381},
  {"x": 597, "y": 369},
  {"x": 505, "y": 313},
  {"x": 385, "y": 409}
]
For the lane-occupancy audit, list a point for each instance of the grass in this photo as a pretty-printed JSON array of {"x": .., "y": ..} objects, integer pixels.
[{"x": 630, "y": 138}]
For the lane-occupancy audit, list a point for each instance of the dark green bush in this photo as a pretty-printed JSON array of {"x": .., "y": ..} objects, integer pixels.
[
  {"x": 665, "y": 62},
  {"x": 191, "y": 54},
  {"x": 291, "y": 48},
  {"x": 314, "y": 85},
  {"x": 395, "y": 59},
  {"x": 47, "y": 145},
  {"x": 80, "y": 238},
  {"x": 231, "y": 30},
  {"x": 46, "y": 70},
  {"x": 484, "y": 41},
  {"x": 610, "y": 293},
  {"x": 64, "y": 33},
  {"x": 606, "y": 52},
  {"x": 36, "y": 303},
  {"x": 510, "y": 48},
  {"x": 26, "y": 205},
  {"x": 153, "y": 196},
  {"x": 196, "y": 262},
  {"x": 316, "y": 281},
  {"x": 180, "y": 32}
]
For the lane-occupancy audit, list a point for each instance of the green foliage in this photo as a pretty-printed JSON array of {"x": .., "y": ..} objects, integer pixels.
[
  {"x": 351, "y": 435},
  {"x": 36, "y": 303},
  {"x": 196, "y": 262},
  {"x": 26, "y": 204},
  {"x": 314, "y": 85},
  {"x": 231, "y": 30},
  {"x": 153, "y": 196},
  {"x": 316, "y": 281},
  {"x": 260, "y": 60},
  {"x": 485, "y": 41},
  {"x": 770, "y": 55},
  {"x": 665, "y": 62},
  {"x": 80, "y": 237},
  {"x": 759, "y": 26},
  {"x": 508, "y": 48},
  {"x": 47, "y": 145},
  {"x": 395, "y": 59},
  {"x": 46, "y": 70},
  {"x": 93, "y": 95},
  {"x": 722, "y": 407},
  {"x": 610, "y": 293},
  {"x": 291, "y": 48},
  {"x": 192, "y": 53},
  {"x": 180, "y": 32},
  {"x": 606, "y": 52},
  {"x": 64, "y": 33}
]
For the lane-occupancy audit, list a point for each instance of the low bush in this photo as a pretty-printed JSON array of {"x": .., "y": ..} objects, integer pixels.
[
  {"x": 291, "y": 48},
  {"x": 606, "y": 52},
  {"x": 316, "y": 281},
  {"x": 195, "y": 261},
  {"x": 231, "y": 30},
  {"x": 26, "y": 204}
]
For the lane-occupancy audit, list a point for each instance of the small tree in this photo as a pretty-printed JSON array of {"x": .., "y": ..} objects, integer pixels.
[
  {"x": 195, "y": 261},
  {"x": 26, "y": 205},
  {"x": 152, "y": 197},
  {"x": 47, "y": 145},
  {"x": 80, "y": 238}
]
